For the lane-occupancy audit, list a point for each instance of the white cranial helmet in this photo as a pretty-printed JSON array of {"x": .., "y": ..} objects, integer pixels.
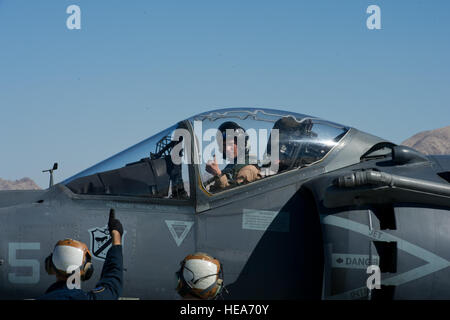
[
  {"x": 70, "y": 253},
  {"x": 200, "y": 275}
]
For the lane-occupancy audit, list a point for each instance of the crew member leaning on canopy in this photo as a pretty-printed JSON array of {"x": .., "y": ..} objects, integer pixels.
[{"x": 234, "y": 173}]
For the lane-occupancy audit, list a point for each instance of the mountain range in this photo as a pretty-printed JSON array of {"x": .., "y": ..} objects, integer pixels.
[
  {"x": 22, "y": 184},
  {"x": 431, "y": 142}
]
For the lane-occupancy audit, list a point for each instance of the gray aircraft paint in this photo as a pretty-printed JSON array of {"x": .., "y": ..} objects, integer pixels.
[
  {"x": 293, "y": 245},
  {"x": 434, "y": 262}
]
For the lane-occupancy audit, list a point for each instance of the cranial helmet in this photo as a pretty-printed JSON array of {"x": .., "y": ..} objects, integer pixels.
[
  {"x": 200, "y": 275},
  {"x": 233, "y": 128},
  {"x": 68, "y": 253}
]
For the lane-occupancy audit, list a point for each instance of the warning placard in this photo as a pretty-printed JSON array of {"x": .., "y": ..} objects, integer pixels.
[
  {"x": 265, "y": 220},
  {"x": 353, "y": 261}
]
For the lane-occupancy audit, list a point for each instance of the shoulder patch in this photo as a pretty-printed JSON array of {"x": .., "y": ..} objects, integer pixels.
[{"x": 98, "y": 290}]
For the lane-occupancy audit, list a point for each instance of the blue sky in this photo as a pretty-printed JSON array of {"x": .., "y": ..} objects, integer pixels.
[{"x": 137, "y": 67}]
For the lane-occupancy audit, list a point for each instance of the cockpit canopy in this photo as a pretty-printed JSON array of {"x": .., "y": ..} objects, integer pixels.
[{"x": 275, "y": 141}]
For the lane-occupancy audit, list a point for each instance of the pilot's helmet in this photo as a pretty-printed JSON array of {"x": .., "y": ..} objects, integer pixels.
[
  {"x": 200, "y": 276},
  {"x": 239, "y": 133},
  {"x": 69, "y": 253},
  {"x": 292, "y": 133}
]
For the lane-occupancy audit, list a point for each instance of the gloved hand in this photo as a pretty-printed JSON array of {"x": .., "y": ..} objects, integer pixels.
[{"x": 114, "y": 224}]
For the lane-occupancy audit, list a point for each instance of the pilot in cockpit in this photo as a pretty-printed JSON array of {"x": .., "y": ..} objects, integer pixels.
[
  {"x": 237, "y": 172},
  {"x": 295, "y": 143}
]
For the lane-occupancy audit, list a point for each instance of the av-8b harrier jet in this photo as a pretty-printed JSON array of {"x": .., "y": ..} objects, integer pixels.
[{"x": 326, "y": 202}]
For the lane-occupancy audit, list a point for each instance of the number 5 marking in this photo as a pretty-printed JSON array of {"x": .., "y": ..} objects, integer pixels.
[{"x": 14, "y": 262}]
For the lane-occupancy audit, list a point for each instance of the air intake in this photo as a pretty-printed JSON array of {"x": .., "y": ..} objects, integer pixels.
[{"x": 445, "y": 176}]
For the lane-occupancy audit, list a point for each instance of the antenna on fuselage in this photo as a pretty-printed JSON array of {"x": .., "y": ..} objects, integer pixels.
[{"x": 55, "y": 167}]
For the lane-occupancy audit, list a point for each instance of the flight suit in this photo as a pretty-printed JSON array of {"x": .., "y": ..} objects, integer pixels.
[
  {"x": 245, "y": 174},
  {"x": 108, "y": 288},
  {"x": 236, "y": 174}
]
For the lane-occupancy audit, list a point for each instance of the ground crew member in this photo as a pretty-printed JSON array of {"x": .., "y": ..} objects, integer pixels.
[
  {"x": 70, "y": 252},
  {"x": 234, "y": 173},
  {"x": 200, "y": 277}
]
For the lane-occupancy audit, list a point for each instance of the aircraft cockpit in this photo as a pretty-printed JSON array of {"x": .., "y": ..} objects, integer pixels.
[
  {"x": 145, "y": 169},
  {"x": 162, "y": 165},
  {"x": 275, "y": 141}
]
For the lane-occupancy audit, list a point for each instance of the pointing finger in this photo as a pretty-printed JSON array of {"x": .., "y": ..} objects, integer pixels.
[{"x": 112, "y": 214}]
